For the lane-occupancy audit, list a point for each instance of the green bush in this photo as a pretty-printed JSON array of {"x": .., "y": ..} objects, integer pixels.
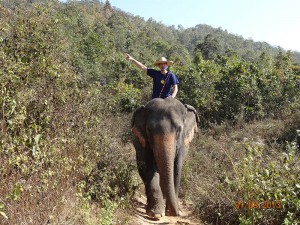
[
  {"x": 125, "y": 98},
  {"x": 262, "y": 190}
]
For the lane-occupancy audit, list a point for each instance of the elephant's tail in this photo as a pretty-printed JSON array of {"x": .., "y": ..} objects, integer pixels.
[{"x": 164, "y": 153}]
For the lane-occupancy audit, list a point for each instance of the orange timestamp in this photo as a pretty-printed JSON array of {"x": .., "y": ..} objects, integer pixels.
[{"x": 254, "y": 204}]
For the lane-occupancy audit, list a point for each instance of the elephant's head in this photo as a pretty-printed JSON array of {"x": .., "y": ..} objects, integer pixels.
[
  {"x": 182, "y": 118},
  {"x": 164, "y": 127}
]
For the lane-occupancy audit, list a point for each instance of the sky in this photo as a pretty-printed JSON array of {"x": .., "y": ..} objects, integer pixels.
[{"x": 276, "y": 22}]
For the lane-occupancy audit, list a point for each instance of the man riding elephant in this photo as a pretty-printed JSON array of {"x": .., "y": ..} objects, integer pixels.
[{"x": 165, "y": 83}]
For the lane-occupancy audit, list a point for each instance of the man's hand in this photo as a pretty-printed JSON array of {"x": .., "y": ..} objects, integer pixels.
[
  {"x": 128, "y": 57},
  {"x": 137, "y": 63}
]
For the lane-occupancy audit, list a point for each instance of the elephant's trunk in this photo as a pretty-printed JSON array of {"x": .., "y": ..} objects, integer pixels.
[{"x": 164, "y": 153}]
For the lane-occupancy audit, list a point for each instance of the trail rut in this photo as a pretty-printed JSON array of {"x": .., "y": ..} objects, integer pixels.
[{"x": 141, "y": 218}]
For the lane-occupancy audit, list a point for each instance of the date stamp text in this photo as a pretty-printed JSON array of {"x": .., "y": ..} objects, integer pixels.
[{"x": 254, "y": 204}]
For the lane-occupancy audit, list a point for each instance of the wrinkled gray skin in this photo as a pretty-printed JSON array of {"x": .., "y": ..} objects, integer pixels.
[{"x": 162, "y": 131}]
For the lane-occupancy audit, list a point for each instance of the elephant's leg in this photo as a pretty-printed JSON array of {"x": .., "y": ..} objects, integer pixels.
[
  {"x": 177, "y": 170},
  {"x": 148, "y": 173},
  {"x": 155, "y": 202},
  {"x": 140, "y": 159}
]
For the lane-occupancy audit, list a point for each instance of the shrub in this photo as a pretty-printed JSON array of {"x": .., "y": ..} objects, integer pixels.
[
  {"x": 125, "y": 98},
  {"x": 245, "y": 175}
]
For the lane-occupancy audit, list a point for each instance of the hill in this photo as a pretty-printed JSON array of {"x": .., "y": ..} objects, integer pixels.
[{"x": 191, "y": 37}]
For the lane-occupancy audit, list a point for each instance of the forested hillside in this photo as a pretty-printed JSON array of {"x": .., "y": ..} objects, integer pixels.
[{"x": 68, "y": 94}]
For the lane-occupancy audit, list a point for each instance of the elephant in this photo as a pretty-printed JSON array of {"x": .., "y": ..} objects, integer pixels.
[{"x": 162, "y": 131}]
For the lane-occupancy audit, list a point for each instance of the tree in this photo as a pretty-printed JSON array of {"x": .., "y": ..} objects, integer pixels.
[
  {"x": 108, "y": 11},
  {"x": 210, "y": 48}
]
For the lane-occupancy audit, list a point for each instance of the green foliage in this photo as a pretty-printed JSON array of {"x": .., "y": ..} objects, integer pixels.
[
  {"x": 2, "y": 213},
  {"x": 231, "y": 89},
  {"x": 270, "y": 190},
  {"x": 238, "y": 94},
  {"x": 125, "y": 97},
  {"x": 107, "y": 211},
  {"x": 197, "y": 87},
  {"x": 209, "y": 48},
  {"x": 246, "y": 179}
]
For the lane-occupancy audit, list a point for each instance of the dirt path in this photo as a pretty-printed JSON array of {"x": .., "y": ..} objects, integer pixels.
[{"x": 141, "y": 217}]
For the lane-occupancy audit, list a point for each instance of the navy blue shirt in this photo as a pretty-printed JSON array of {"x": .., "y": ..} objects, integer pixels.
[{"x": 159, "y": 80}]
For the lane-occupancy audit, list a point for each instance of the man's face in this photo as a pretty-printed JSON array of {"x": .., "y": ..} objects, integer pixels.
[{"x": 163, "y": 66}]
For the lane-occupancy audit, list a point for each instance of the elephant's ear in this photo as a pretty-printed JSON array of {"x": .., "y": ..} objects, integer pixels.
[
  {"x": 138, "y": 125},
  {"x": 190, "y": 124},
  {"x": 191, "y": 108}
]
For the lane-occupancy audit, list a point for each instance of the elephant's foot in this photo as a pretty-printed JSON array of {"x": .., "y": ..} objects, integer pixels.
[
  {"x": 170, "y": 213},
  {"x": 155, "y": 215}
]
